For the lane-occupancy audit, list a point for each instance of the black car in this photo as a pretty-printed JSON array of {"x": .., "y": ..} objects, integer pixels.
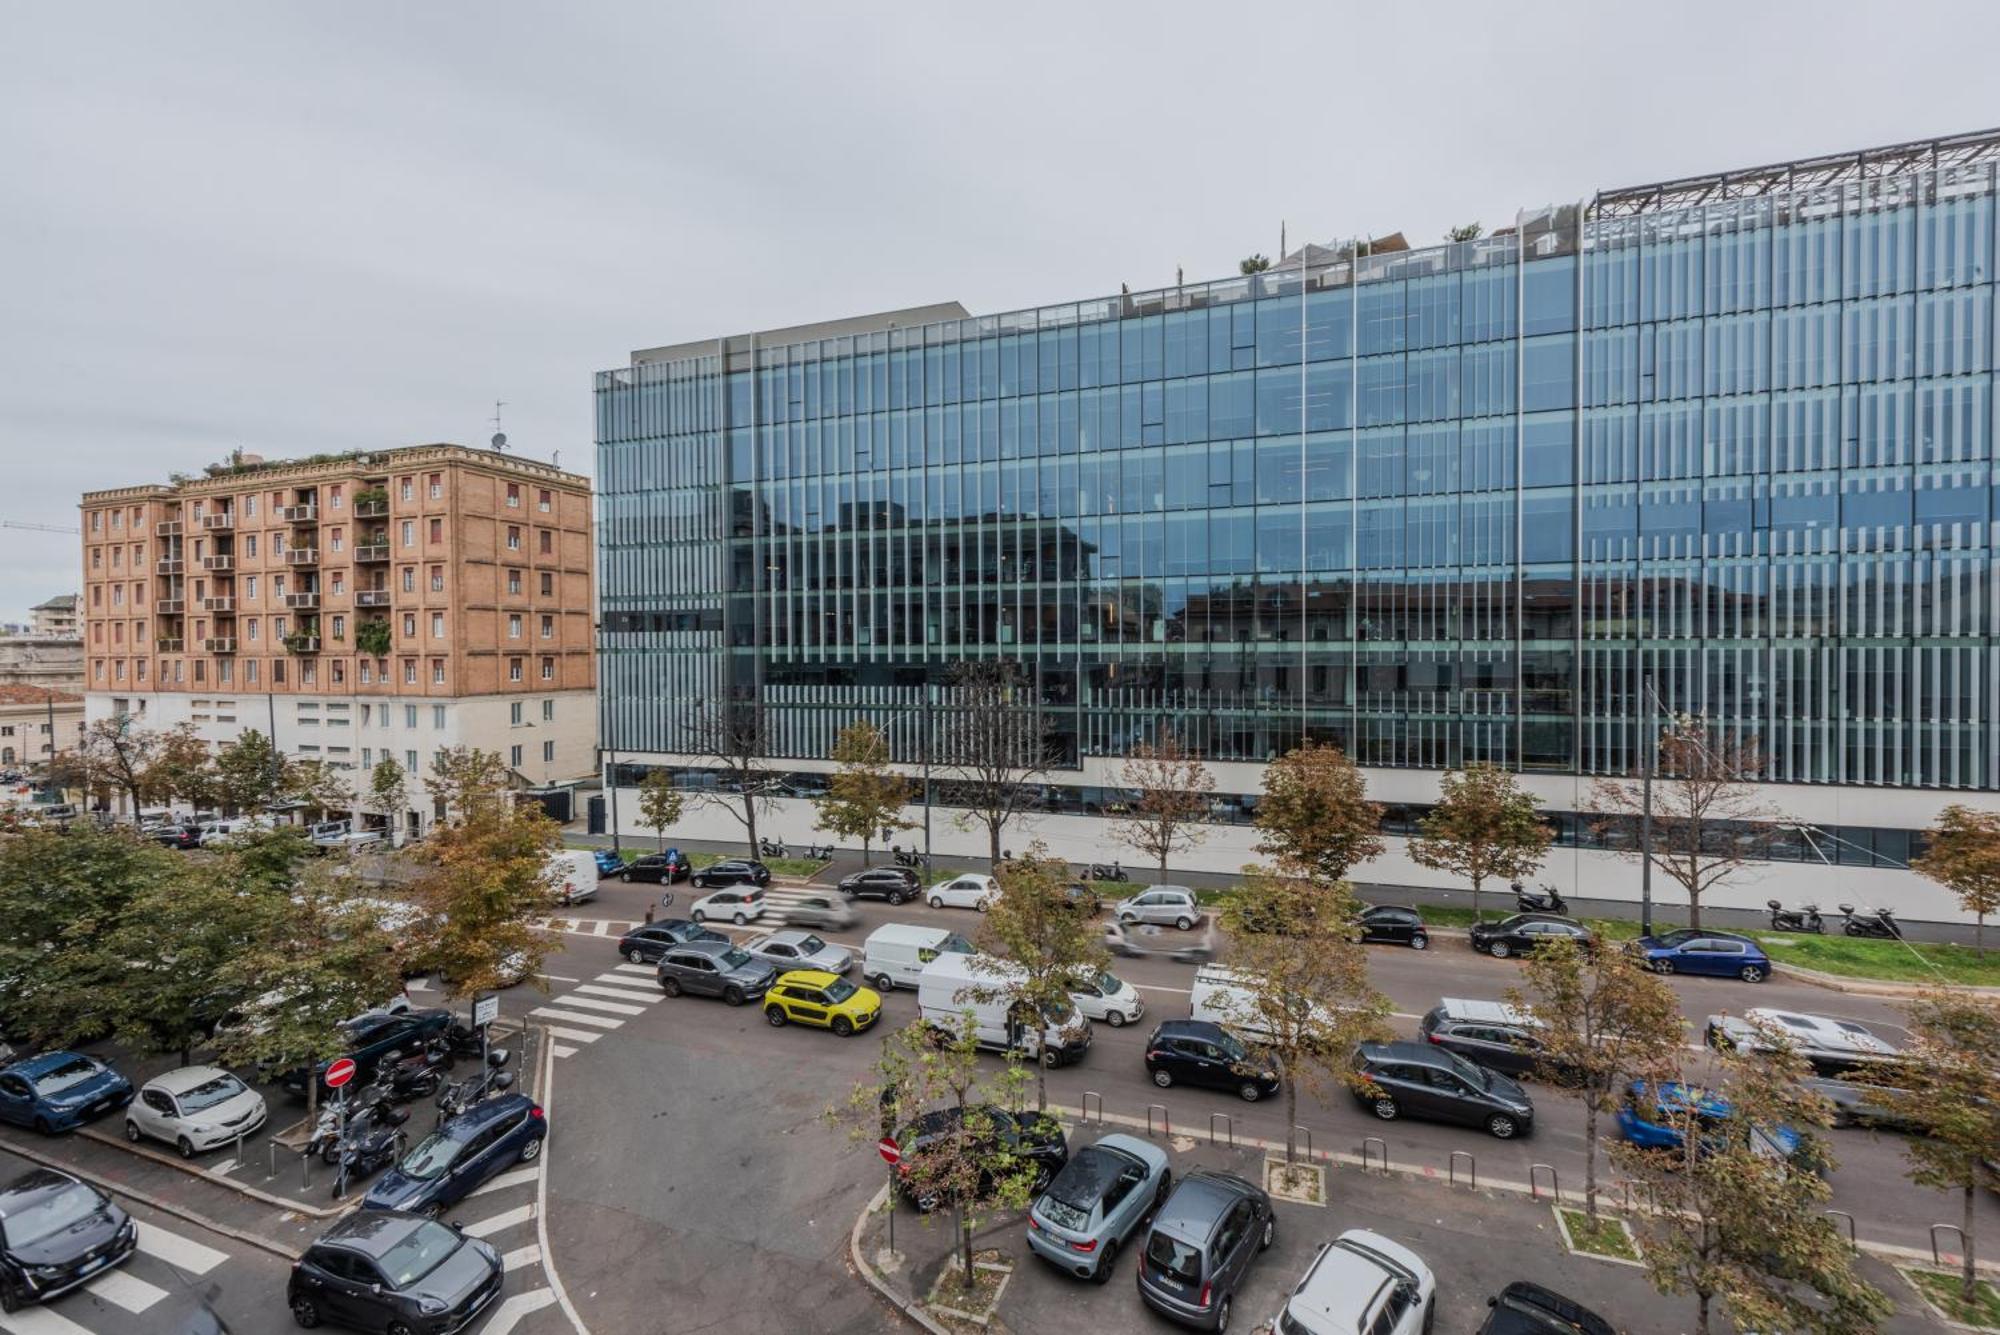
[
  {"x": 1493, "y": 1034},
  {"x": 645, "y": 945},
  {"x": 658, "y": 868},
  {"x": 894, "y": 884},
  {"x": 731, "y": 871},
  {"x": 1030, "y": 1135},
  {"x": 386, "y": 1270},
  {"x": 1203, "y": 1053},
  {"x": 1524, "y": 931},
  {"x": 372, "y": 1036},
  {"x": 1529, "y": 1309},
  {"x": 1395, "y": 924},
  {"x": 175, "y": 834},
  {"x": 56, "y": 1233},
  {"x": 1201, "y": 1245},
  {"x": 1418, "y": 1080}
]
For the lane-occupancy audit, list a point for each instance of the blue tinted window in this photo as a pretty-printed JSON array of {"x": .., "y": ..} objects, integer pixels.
[
  {"x": 1549, "y": 296},
  {"x": 1381, "y": 317},
  {"x": 1547, "y": 450},
  {"x": 1546, "y": 522},
  {"x": 1548, "y": 372}
]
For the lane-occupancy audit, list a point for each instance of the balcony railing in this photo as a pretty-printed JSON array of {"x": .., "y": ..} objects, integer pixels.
[
  {"x": 300, "y": 514},
  {"x": 309, "y": 599},
  {"x": 224, "y": 519},
  {"x": 371, "y": 551},
  {"x": 302, "y": 556},
  {"x": 371, "y": 509},
  {"x": 168, "y": 528},
  {"x": 302, "y": 643},
  {"x": 225, "y": 561},
  {"x": 169, "y": 607},
  {"x": 171, "y": 644},
  {"x": 371, "y": 598},
  {"x": 169, "y": 565},
  {"x": 225, "y": 604},
  {"x": 219, "y": 644}
]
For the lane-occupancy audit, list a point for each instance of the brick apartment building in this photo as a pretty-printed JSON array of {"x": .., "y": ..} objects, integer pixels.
[{"x": 357, "y": 607}]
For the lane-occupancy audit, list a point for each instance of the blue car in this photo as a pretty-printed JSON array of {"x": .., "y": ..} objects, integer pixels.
[
  {"x": 609, "y": 863},
  {"x": 1714, "y": 954},
  {"x": 1652, "y": 1117},
  {"x": 60, "y": 1091},
  {"x": 456, "y": 1159}
]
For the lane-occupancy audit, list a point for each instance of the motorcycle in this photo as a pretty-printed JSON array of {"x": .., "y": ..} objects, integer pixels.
[
  {"x": 1804, "y": 918},
  {"x": 461, "y": 1040},
  {"x": 1872, "y": 922},
  {"x": 820, "y": 852},
  {"x": 1542, "y": 899},
  {"x": 771, "y": 848},
  {"x": 371, "y": 1147},
  {"x": 400, "y": 1078},
  {"x": 455, "y": 1099},
  {"x": 909, "y": 857},
  {"x": 1099, "y": 871}
]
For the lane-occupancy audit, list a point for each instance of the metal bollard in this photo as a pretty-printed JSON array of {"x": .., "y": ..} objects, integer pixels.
[
  {"x": 1937, "y": 1258},
  {"x": 1228, "y": 1127},
  {"x": 1166, "y": 1127},
  {"x": 1381, "y": 1145},
  {"x": 1471, "y": 1169},
  {"x": 1534, "y": 1182},
  {"x": 1088, "y": 1095},
  {"x": 1853, "y": 1243},
  {"x": 1292, "y": 1141}
]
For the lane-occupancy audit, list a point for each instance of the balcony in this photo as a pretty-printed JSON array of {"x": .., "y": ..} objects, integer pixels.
[
  {"x": 224, "y": 604},
  {"x": 302, "y": 643},
  {"x": 171, "y": 644},
  {"x": 308, "y": 600},
  {"x": 371, "y": 509},
  {"x": 371, "y": 597},
  {"x": 169, "y": 607},
  {"x": 225, "y": 520},
  {"x": 300, "y": 514},
  {"x": 224, "y": 561},
  {"x": 371, "y": 551},
  {"x": 219, "y": 644},
  {"x": 168, "y": 528},
  {"x": 302, "y": 556},
  {"x": 169, "y": 565}
]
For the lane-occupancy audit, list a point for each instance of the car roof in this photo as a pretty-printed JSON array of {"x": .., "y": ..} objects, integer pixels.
[
  {"x": 808, "y": 978},
  {"x": 1199, "y": 1201},
  {"x": 42, "y": 1063},
  {"x": 1346, "y": 1279},
  {"x": 1386, "y": 908},
  {"x": 1706, "y": 935},
  {"x": 707, "y": 947},
  {"x": 791, "y": 936},
  {"x": 1417, "y": 1054},
  {"x": 34, "y": 1185},
  {"x": 1569, "y": 1315},
  {"x": 1202, "y": 1028},
  {"x": 1486, "y": 1012},
  {"x": 186, "y": 1078},
  {"x": 372, "y": 1232},
  {"x": 1539, "y": 917}
]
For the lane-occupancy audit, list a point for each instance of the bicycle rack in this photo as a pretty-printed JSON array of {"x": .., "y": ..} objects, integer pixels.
[
  {"x": 1088, "y": 1096},
  {"x": 1228, "y": 1128},
  {"x": 1937, "y": 1258},
  {"x": 1852, "y": 1243},
  {"x": 1471, "y": 1169},
  {"x": 1534, "y": 1182},
  {"x": 1292, "y": 1142},
  {"x": 1381, "y": 1147},
  {"x": 1166, "y": 1127},
  {"x": 1625, "y": 1190}
]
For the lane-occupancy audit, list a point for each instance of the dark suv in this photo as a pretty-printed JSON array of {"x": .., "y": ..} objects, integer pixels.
[
  {"x": 371, "y": 1037},
  {"x": 1426, "y": 1082},
  {"x": 732, "y": 871},
  {"x": 894, "y": 884},
  {"x": 1201, "y": 1052},
  {"x": 715, "y": 969},
  {"x": 1529, "y": 1309},
  {"x": 659, "y": 868},
  {"x": 1033, "y": 1136},
  {"x": 1201, "y": 1245},
  {"x": 1492, "y": 1033}
]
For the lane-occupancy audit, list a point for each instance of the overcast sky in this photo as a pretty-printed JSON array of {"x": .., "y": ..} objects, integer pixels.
[{"x": 297, "y": 228}]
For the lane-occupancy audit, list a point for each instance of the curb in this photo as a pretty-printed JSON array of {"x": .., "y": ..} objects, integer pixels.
[
  {"x": 546, "y": 1099},
  {"x": 910, "y": 1308},
  {"x": 1872, "y": 987},
  {"x": 151, "y": 1155}
]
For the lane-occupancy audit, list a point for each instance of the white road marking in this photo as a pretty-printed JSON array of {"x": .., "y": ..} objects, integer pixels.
[
  {"x": 646, "y": 969},
  {"x": 223, "y": 1169},
  {"x": 40, "y": 1321},
  {"x": 126, "y": 1291},
  {"x": 621, "y": 993},
  {"x": 485, "y": 1228},
  {"x": 593, "y": 1004},
  {"x": 505, "y": 1180},
  {"x": 522, "y": 1257},
  {"x": 556, "y": 978},
  {"x": 562, "y": 1051},
  {"x": 508, "y": 1314},
  {"x": 574, "y": 1035},
  {"x": 577, "y": 1017},
  {"x": 598, "y": 927},
  {"x": 177, "y": 1251}
]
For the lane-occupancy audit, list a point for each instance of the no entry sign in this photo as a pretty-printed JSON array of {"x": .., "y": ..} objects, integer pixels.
[
  {"x": 888, "y": 1149},
  {"x": 339, "y": 1073}
]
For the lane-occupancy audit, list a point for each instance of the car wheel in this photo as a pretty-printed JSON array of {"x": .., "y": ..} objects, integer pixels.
[
  {"x": 1270, "y": 1235},
  {"x": 1222, "y": 1317},
  {"x": 776, "y": 1015},
  {"x": 671, "y": 986},
  {"x": 1185, "y": 923},
  {"x": 937, "y": 902},
  {"x": 1049, "y": 1059},
  {"x": 1127, "y": 920},
  {"x": 636, "y": 955},
  {"x": 42, "y": 1127},
  {"x": 1751, "y": 973},
  {"x": 1420, "y": 942},
  {"x": 843, "y": 1026},
  {"x": 1163, "y": 1078},
  {"x": 304, "y": 1311},
  {"x": 1105, "y": 1260},
  {"x": 1502, "y": 1126},
  {"x": 896, "y": 898},
  {"x": 625, "y": 876},
  {"x": 397, "y": 1328},
  {"x": 883, "y": 983},
  {"x": 733, "y": 996},
  {"x": 1248, "y": 1089},
  {"x": 980, "y": 906},
  {"x": 132, "y": 1132},
  {"x": 185, "y": 1146},
  {"x": 1499, "y": 950},
  {"x": 532, "y": 1150},
  {"x": 1385, "y": 1109},
  {"x": 740, "y": 920},
  {"x": 1116, "y": 1019},
  {"x": 1661, "y": 965},
  {"x": 1430, "y": 1315},
  {"x": 699, "y": 915}
]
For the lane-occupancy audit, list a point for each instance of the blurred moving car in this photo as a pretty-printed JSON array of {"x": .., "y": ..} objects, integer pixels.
[
  {"x": 1831, "y": 1046},
  {"x": 1101, "y": 1196},
  {"x": 1653, "y": 1118},
  {"x": 826, "y": 912},
  {"x": 56, "y": 1233}
]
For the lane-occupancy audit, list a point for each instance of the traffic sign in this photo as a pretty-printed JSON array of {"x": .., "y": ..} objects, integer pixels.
[
  {"x": 891, "y": 1153},
  {"x": 485, "y": 1010},
  {"x": 339, "y": 1073}
]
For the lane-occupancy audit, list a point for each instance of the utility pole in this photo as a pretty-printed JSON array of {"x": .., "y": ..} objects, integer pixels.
[
  {"x": 1649, "y": 745},
  {"x": 927, "y": 774}
]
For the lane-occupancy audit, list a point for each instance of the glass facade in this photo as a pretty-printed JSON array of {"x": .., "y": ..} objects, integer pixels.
[{"x": 1437, "y": 506}]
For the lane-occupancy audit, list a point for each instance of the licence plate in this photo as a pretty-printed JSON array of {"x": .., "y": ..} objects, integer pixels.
[{"x": 92, "y": 1264}]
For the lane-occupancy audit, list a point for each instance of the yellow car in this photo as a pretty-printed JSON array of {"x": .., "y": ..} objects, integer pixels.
[{"x": 811, "y": 996}]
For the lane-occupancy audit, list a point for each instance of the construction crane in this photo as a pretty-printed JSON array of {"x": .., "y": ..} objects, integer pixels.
[{"x": 38, "y": 528}]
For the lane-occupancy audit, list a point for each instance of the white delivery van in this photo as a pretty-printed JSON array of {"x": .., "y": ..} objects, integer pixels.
[
  {"x": 574, "y": 874},
  {"x": 1227, "y": 997},
  {"x": 954, "y": 985},
  {"x": 894, "y": 955}
]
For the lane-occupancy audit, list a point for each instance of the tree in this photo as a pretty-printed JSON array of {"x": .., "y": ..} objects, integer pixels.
[
  {"x": 1707, "y": 818},
  {"x": 1253, "y": 264},
  {"x": 170, "y": 973},
  {"x": 1735, "y": 1223},
  {"x": 317, "y": 786},
  {"x": 1950, "y": 1086},
  {"x": 994, "y": 744},
  {"x": 864, "y": 795},
  {"x": 183, "y": 768},
  {"x": 1604, "y": 1020},
  {"x": 1463, "y": 232},
  {"x": 389, "y": 789},
  {"x": 1315, "y": 813},
  {"x": 732, "y": 736},
  {"x": 1173, "y": 786},
  {"x": 1296, "y": 951},
  {"x": 465, "y": 781},
  {"x": 1484, "y": 824},
  {"x": 1049, "y": 943},
  {"x": 487, "y": 884},
  {"x": 1964, "y": 858},
  {"x": 660, "y": 803},
  {"x": 117, "y": 753},
  {"x": 249, "y": 773}
]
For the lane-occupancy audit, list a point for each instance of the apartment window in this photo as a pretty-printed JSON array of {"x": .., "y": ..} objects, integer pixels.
[
  {"x": 97, "y": 558},
  {"x": 97, "y": 666},
  {"x": 406, "y": 488},
  {"x": 409, "y": 762},
  {"x": 336, "y": 540},
  {"x": 97, "y": 595},
  {"x": 117, "y": 558},
  {"x": 367, "y": 677},
  {"x": 437, "y": 486},
  {"x": 277, "y": 672},
  {"x": 278, "y": 629},
  {"x": 366, "y": 711},
  {"x": 514, "y": 626},
  {"x": 514, "y": 713},
  {"x": 409, "y": 532},
  {"x": 437, "y": 530},
  {"x": 513, "y": 581},
  {"x": 548, "y": 669},
  {"x": 96, "y": 520},
  {"x": 339, "y": 623},
  {"x": 118, "y": 669},
  {"x": 548, "y": 584},
  {"x": 513, "y": 495},
  {"x": 437, "y": 716},
  {"x": 339, "y": 582},
  {"x": 437, "y": 579},
  {"x": 224, "y": 675},
  {"x": 278, "y": 544},
  {"x": 250, "y": 672},
  {"x": 410, "y": 625},
  {"x": 437, "y": 672},
  {"x": 368, "y": 757},
  {"x": 548, "y": 711},
  {"x": 250, "y": 587},
  {"x": 544, "y": 501},
  {"x": 333, "y": 496},
  {"x": 250, "y": 544},
  {"x": 437, "y": 625},
  {"x": 308, "y": 672},
  {"x": 409, "y": 672},
  {"x": 513, "y": 669},
  {"x": 339, "y": 672},
  {"x": 409, "y": 716},
  {"x": 548, "y": 542},
  {"x": 514, "y": 756},
  {"x": 250, "y": 629},
  {"x": 548, "y": 753},
  {"x": 513, "y": 538},
  {"x": 548, "y": 628},
  {"x": 118, "y": 516},
  {"x": 409, "y": 579},
  {"x": 249, "y": 507},
  {"x": 118, "y": 595}
]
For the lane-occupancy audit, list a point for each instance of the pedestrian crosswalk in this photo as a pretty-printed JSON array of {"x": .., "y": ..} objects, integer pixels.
[
  {"x": 593, "y": 1008},
  {"x": 777, "y": 898}
]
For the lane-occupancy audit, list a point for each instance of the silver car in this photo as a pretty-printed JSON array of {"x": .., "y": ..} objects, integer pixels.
[
  {"x": 1164, "y": 904},
  {"x": 827, "y": 911},
  {"x": 798, "y": 950},
  {"x": 1092, "y": 1207}
]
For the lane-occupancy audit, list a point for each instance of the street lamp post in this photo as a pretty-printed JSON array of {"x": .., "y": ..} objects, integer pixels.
[{"x": 1649, "y": 741}]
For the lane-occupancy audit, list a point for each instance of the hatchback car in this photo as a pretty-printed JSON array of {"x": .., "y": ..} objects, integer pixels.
[
  {"x": 668, "y": 868},
  {"x": 644, "y": 945},
  {"x": 714, "y": 969},
  {"x": 1417, "y": 1080},
  {"x": 740, "y": 906},
  {"x": 193, "y": 1109},
  {"x": 826, "y": 912},
  {"x": 1201, "y": 1246},
  {"x": 1107, "y": 997},
  {"x": 1494, "y": 1034},
  {"x": 1396, "y": 925},
  {"x": 809, "y": 996},
  {"x": 799, "y": 950},
  {"x": 1524, "y": 931},
  {"x": 456, "y": 1159},
  {"x": 895, "y": 884},
  {"x": 60, "y": 1091},
  {"x": 1165, "y": 905},
  {"x": 974, "y": 890},
  {"x": 1035, "y": 1137},
  {"x": 1710, "y": 954},
  {"x": 56, "y": 1233},
  {"x": 1529, "y": 1309},
  {"x": 1204, "y": 1054},
  {"x": 731, "y": 871},
  {"x": 1362, "y": 1282},
  {"x": 385, "y": 1270},
  {"x": 1654, "y": 1117},
  {"x": 1096, "y": 1202}
]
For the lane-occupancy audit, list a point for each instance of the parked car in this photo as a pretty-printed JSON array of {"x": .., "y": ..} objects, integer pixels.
[
  {"x": 1529, "y": 1309},
  {"x": 645, "y": 945},
  {"x": 1396, "y": 925},
  {"x": 1492, "y": 1033},
  {"x": 1098, "y": 1200},
  {"x": 895, "y": 884},
  {"x": 1710, "y": 954},
  {"x": 175, "y": 834},
  {"x": 714, "y": 969},
  {"x": 1417, "y": 1080},
  {"x": 609, "y": 861},
  {"x": 954, "y": 986},
  {"x": 1524, "y": 931},
  {"x": 193, "y": 1109},
  {"x": 1832, "y": 1046},
  {"x": 1201, "y": 1245},
  {"x": 730, "y": 871},
  {"x": 1165, "y": 905},
  {"x": 1653, "y": 1117},
  {"x": 453, "y": 1161},
  {"x": 1107, "y": 997},
  {"x": 815, "y": 997},
  {"x": 799, "y": 950},
  {"x": 973, "y": 890},
  {"x": 894, "y": 955},
  {"x": 827, "y": 912},
  {"x": 668, "y": 868},
  {"x": 740, "y": 905},
  {"x": 1362, "y": 1283},
  {"x": 1206, "y": 1055},
  {"x": 56, "y": 1233},
  {"x": 327, "y": 834},
  {"x": 222, "y": 831},
  {"x": 1033, "y": 1136},
  {"x": 60, "y": 1091},
  {"x": 371, "y": 1036},
  {"x": 382, "y": 1270}
]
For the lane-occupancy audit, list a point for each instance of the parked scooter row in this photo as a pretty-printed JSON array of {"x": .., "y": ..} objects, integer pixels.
[
  {"x": 1104, "y": 871},
  {"x": 1542, "y": 899}
]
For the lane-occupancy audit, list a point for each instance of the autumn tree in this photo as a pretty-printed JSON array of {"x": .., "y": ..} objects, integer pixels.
[
  {"x": 1484, "y": 825},
  {"x": 1295, "y": 952},
  {"x": 1949, "y": 1083},
  {"x": 117, "y": 753},
  {"x": 249, "y": 773},
  {"x": 1964, "y": 858},
  {"x": 1171, "y": 787},
  {"x": 864, "y": 795},
  {"x": 389, "y": 789},
  {"x": 1708, "y": 820},
  {"x": 1315, "y": 813},
  {"x": 1047, "y": 942},
  {"x": 182, "y": 767},
  {"x": 660, "y": 803},
  {"x": 732, "y": 736},
  {"x": 169, "y": 975},
  {"x": 318, "y": 786},
  {"x": 1603, "y": 1020},
  {"x": 464, "y": 780},
  {"x": 993, "y": 742}
]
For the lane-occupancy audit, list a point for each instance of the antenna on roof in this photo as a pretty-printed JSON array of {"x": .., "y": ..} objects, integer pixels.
[{"x": 499, "y": 436}]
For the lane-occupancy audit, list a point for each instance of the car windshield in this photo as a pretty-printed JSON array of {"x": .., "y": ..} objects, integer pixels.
[
  {"x": 1232, "y": 1047},
  {"x": 954, "y": 944},
  {"x": 1108, "y": 983},
  {"x": 812, "y": 945},
  {"x": 418, "y": 1254},
  {"x": 50, "y": 1216},
  {"x": 66, "y": 1076},
  {"x": 1473, "y": 1075},
  {"x": 211, "y": 1092},
  {"x": 1175, "y": 1257},
  {"x": 733, "y": 958},
  {"x": 432, "y": 1156},
  {"x": 840, "y": 990}
]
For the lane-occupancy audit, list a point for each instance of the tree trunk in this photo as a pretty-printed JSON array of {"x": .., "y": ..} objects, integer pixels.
[
  {"x": 750, "y": 818},
  {"x": 993, "y": 842},
  {"x": 867, "y": 854},
  {"x": 965, "y": 1247},
  {"x": 1701, "y": 1313},
  {"x": 661, "y": 832},
  {"x": 1291, "y": 1119},
  {"x": 1476, "y": 879},
  {"x": 1694, "y": 910},
  {"x": 1590, "y": 1152},
  {"x": 1979, "y": 933},
  {"x": 1163, "y": 859},
  {"x": 1968, "y": 1275}
]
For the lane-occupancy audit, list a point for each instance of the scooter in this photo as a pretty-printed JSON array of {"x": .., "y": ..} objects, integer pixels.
[
  {"x": 1099, "y": 871},
  {"x": 1804, "y": 918},
  {"x": 905, "y": 857},
  {"x": 455, "y": 1099},
  {"x": 1542, "y": 899},
  {"x": 1875, "y": 922},
  {"x": 325, "y": 1138},
  {"x": 771, "y": 848},
  {"x": 820, "y": 852},
  {"x": 371, "y": 1147},
  {"x": 461, "y": 1040},
  {"x": 399, "y": 1078}
]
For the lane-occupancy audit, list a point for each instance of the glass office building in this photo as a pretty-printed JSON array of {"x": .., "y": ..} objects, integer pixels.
[{"x": 1730, "y": 436}]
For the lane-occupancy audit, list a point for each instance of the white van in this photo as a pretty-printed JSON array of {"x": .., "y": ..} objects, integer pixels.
[
  {"x": 894, "y": 955},
  {"x": 1226, "y": 997},
  {"x": 953, "y": 985},
  {"x": 573, "y": 872},
  {"x": 222, "y": 831}
]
